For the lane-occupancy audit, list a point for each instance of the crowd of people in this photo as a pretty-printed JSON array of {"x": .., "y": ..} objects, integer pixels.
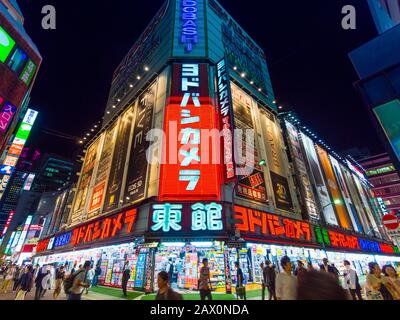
[
  {"x": 23, "y": 279},
  {"x": 298, "y": 282}
]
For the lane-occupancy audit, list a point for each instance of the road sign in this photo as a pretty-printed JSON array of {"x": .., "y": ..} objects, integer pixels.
[{"x": 390, "y": 221}]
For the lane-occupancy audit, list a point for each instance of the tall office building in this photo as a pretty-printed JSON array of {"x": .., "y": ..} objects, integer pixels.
[{"x": 151, "y": 198}]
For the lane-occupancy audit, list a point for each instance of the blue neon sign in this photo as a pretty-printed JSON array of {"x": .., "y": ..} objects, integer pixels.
[{"x": 189, "y": 32}]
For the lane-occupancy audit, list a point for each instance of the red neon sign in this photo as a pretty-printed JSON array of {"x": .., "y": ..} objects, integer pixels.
[
  {"x": 263, "y": 224},
  {"x": 190, "y": 170},
  {"x": 341, "y": 240}
]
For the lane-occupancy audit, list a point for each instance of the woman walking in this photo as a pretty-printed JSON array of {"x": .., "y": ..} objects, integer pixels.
[
  {"x": 393, "y": 281},
  {"x": 60, "y": 276},
  {"x": 377, "y": 286},
  {"x": 25, "y": 283}
]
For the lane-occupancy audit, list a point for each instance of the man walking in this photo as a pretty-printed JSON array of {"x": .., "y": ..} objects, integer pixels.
[
  {"x": 328, "y": 268},
  {"x": 205, "y": 281},
  {"x": 286, "y": 282},
  {"x": 351, "y": 282},
  {"x": 79, "y": 282},
  {"x": 270, "y": 279},
  {"x": 125, "y": 278}
]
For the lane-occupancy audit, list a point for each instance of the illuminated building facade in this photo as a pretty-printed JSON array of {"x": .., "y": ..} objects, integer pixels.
[{"x": 164, "y": 199}]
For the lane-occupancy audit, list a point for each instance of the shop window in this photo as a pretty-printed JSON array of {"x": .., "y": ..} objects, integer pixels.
[{"x": 17, "y": 60}]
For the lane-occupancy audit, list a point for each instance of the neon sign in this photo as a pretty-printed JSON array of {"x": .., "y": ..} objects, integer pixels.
[
  {"x": 189, "y": 170},
  {"x": 174, "y": 217},
  {"x": 267, "y": 225},
  {"x": 382, "y": 206},
  {"x": 189, "y": 32},
  {"x": 6, "y": 115},
  {"x": 8, "y": 223}
]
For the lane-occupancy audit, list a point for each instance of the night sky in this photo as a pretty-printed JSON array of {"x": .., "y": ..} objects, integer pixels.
[{"x": 305, "y": 45}]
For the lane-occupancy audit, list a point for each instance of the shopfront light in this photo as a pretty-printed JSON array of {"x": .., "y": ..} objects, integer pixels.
[
  {"x": 146, "y": 68},
  {"x": 205, "y": 244},
  {"x": 173, "y": 244}
]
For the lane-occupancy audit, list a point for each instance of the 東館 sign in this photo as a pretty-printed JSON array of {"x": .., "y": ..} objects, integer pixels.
[
  {"x": 114, "y": 226},
  {"x": 339, "y": 240}
]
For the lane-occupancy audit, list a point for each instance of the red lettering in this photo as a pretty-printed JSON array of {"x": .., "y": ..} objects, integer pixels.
[
  {"x": 106, "y": 228},
  {"x": 130, "y": 217},
  {"x": 241, "y": 215},
  {"x": 117, "y": 224},
  {"x": 254, "y": 219},
  {"x": 88, "y": 235},
  {"x": 96, "y": 231}
]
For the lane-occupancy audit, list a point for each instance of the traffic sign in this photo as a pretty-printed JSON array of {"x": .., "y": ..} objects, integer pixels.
[{"x": 390, "y": 221}]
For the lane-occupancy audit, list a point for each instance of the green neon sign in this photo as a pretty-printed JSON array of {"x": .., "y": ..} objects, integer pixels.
[{"x": 6, "y": 45}]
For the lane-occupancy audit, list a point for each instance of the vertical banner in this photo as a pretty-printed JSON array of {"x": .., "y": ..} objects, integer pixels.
[
  {"x": 334, "y": 189},
  {"x": 118, "y": 162},
  {"x": 251, "y": 186},
  {"x": 273, "y": 143},
  {"x": 84, "y": 182},
  {"x": 319, "y": 182},
  {"x": 300, "y": 166},
  {"x": 103, "y": 170},
  {"x": 6, "y": 115},
  {"x": 226, "y": 124},
  {"x": 345, "y": 194},
  {"x": 138, "y": 166},
  {"x": 190, "y": 169}
]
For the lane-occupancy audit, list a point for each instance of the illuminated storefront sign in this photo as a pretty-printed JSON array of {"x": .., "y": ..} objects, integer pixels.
[
  {"x": 115, "y": 226},
  {"x": 189, "y": 33},
  {"x": 340, "y": 240},
  {"x": 190, "y": 170},
  {"x": 6, "y": 45},
  {"x": 8, "y": 223},
  {"x": 187, "y": 217},
  {"x": 6, "y": 115},
  {"x": 264, "y": 225},
  {"x": 28, "y": 72},
  {"x": 16, "y": 148},
  {"x": 29, "y": 181},
  {"x": 8, "y": 248},
  {"x": 382, "y": 206},
  {"x": 23, "y": 234},
  {"x": 225, "y": 110}
]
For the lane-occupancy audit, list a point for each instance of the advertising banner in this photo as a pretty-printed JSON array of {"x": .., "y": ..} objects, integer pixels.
[
  {"x": 136, "y": 180},
  {"x": 300, "y": 166},
  {"x": 334, "y": 189},
  {"x": 190, "y": 169},
  {"x": 82, "y": 196},
  {"x": 276, "y": 162},
  {"x": 345, "y": 195},
  {"x": 103, "y": 170},
  {"x": 225, "y": 110},
  {"x": 6, "y": 115},
  {"x": 251, "y": 186},
  {"x": 267, "y": 226},
  {"x": 118, "y": 162},
  {"x": 6, "y": 45},
  {"x": 319, "y": 182}
]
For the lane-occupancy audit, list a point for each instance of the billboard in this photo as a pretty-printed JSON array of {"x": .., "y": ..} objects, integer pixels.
[
  {"x": 273, "y": 141},
  {"x": 6, "y": 45},
  {"x": 91, "y": 159},
  {"x": 189, "y": 170},
  {"x": 251, "y": 186},
  {"x": 114, "y": 186},
  {"x": 28, "y": 72},
  {"x": 29, "y": 181},
  {"x": 334, "y": 189},
  {"x": 6, "y": 115},
  {"x": 103, "y": 170},
  {"x": 319, "y": 182},
  {"x": 300, "y": 166},
  {"x": 23, "y": 234},
  {"x": 136, "y": 181},
  {"x": 338, "y": 169},
  {"x": 388, "y": 116}
]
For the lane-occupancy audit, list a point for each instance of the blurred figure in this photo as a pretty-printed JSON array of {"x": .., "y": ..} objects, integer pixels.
[
  {"x": 263, "y": 280},
  {"x": 17, "y": 275},
  {"x": 47, "y": 281},
  {"x": 317, "y": 285},
  {"x": 25, "y": 283},
  {"x": 300, "y": 270},
  {"x": 79, "y": 282},
  {"x": 97, "y": 273},
  {"x": 351, "y": 282},
  {"x": 270, "y": 279},
  {"x": 164, "y": 290},
  {"x": 89, "y": 278},
  {"x": 377, "y": 285},
  {"x": 205, "y": 281},
  {"x": 286, "y": 282},
  {"x": 310, "y": 266},
  {"x": 60, "y": 275},
  {"x": 125, "y": 278},
  {"x": 9, "y": 276},
  {"x": 328, "y": 268},
  {"x": 73, "y": 268},
  {"x": 240, "y": 286},
  {"x": 393, "y": 280}
]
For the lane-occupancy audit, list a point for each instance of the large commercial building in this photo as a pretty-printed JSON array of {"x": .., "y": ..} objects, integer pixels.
[
  {"x": 163, "y": 199},
  {"x": 19, "y": 63},
  {"x": 377, "y": 63}
]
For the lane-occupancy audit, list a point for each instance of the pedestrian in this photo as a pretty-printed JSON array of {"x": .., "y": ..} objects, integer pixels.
[
  {"x": 25, "y": 283},
  {"x": 300, "y": 270},
  {"x": 9, "y": 276},
  {"x": 263, "y": 280},
  {"x": 240, "y": 285},
  {"x": 60, "y": 275},
  {"x": 330, "y": 269},
  {"x": 126, "y": 275},
  {"x": 73, "y": 268},
  {"x": 204, "y": 282},
  {"x": 90, "y": 276},
  {"x": 310, "y": 266},
  {"x": 377, "y": 285},
  {"x": 164, "y": 290},
  {"x": 97, "y": 273},
  {"x": 393, "y": 280},
  {"x": 270, "y": 279},
  {"x": 319, "y": 285},
  {"x": 41, "y": 273},
  {"x": 351, "y": 282},
  {"x": 17, "y": 276},
  {"x": 46, "y": 281},
  {"x": 286, "y": 282},
  {"x": 79, "y": 282}
]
